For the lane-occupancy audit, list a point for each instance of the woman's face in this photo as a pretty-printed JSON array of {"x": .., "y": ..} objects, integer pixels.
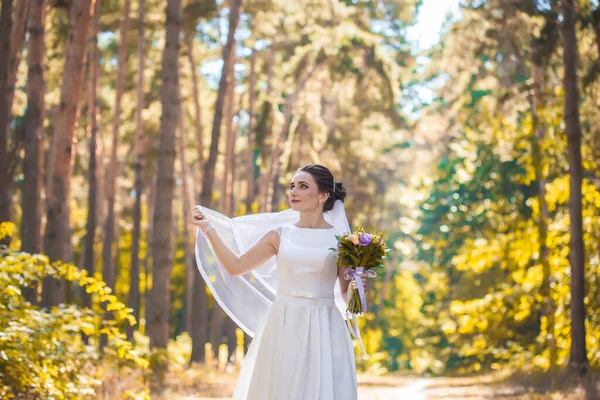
[{"x": 304, "y": 193}]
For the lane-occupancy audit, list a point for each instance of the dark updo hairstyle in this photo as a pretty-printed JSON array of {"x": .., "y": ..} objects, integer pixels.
[{"x": 325, "y": 183}]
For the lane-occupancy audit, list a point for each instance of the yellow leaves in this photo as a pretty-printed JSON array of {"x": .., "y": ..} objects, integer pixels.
[
  {"x": 72, "y": 273},
  {"x": 557, "y": 193},
  {"x": 591, "y": 195},
  {"x": 518, "y": 276},
  {"x": 523, "y": 308},
  {"x": 132, "y": 394},
  {"x": 481, "y": 324},
  {"x": 467, "y": 324},
  {"x": 93, "y": 286},
  {"x": 7, "y": 229},
  {"x": 529, "y": 278},
  {"x": 449, "y": 327},
  {"x": 11, "y": 290},
  {"x": 87, "y": 327},
  {"x": 114, "y": 305},
  {"x": 42, "y": 350},
  {"x": 477, "y": 255}
]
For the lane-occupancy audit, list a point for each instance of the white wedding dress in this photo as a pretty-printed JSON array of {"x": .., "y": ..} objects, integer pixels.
[{"x": 302, "y": 349}]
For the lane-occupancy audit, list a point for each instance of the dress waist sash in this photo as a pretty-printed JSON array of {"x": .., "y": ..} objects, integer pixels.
[{"x": 303, "y": 297}]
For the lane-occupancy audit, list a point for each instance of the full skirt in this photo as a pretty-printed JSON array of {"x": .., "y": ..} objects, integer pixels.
[{"x": 300, "y": 352}]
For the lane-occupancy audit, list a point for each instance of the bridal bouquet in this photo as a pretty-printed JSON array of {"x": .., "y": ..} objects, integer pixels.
[{"x": 360, "y": 252}]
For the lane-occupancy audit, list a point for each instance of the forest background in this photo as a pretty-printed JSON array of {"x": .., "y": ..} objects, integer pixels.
[{"x": 476, "y": 152}]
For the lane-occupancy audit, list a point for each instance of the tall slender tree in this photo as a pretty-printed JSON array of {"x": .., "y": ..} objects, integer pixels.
[
  {"x": 162, "y": 241},
  {"x": 33, "y": 130},
  {"x": 57, "y": 238},
  {"x": 250, "y": 186},
  {"x": 89, "y": 253},
  {"x": 199, "y": 317},
  {"x": 265, "y": 129},
  {"x": 31, "y": 221},
  {"x": 15, "y": 39},
  {"x": 187, "y": 245},
  {"x": 139, "y": 145},
  {"x": 217, "y": 317},
  {"x": 542, "y": 223},
  {"x": 188, "y": 37},
  {"x": 108, "y": 260},
  {"x": 596, "y": 27},
  {"x": 5, "y": 177},
  {"x": 578, "y": 357},
  {"x": 228, "y": 59},
  {"x": 229, "y": 135},
  {"x": 274, "y": 169}
]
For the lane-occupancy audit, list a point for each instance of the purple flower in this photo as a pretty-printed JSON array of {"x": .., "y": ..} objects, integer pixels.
[{"x": 365, "y": 240}]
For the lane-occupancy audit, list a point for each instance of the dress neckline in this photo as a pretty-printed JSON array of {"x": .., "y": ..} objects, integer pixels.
[{"x": 314, "y": 229}]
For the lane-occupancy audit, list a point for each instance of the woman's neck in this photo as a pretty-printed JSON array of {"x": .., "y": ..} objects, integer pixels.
[{"x": 312, "y": 220}]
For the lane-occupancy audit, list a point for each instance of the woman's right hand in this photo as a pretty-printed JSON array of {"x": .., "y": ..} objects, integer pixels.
[{"x": 198, "y": 218}]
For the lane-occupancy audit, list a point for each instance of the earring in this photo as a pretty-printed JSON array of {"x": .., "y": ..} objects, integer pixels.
[{"x": 319, "y": 202}]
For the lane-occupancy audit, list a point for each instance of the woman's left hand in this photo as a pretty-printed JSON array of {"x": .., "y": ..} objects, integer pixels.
[{"x": 363, "y": 278}]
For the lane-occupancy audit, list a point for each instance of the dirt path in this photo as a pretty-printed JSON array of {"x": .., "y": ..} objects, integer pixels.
[
  {"x": 414, "y": 390},
  {"x": 406, "y": 387}
]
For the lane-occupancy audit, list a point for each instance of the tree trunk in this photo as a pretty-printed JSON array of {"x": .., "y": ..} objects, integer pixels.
[
  {"x": 596, "y": 25},
  {"x": 109, "y": 271},
  {"x": 197, "y": 107},
  {"x": 538, "y": 164},
  {"x": 278, "y": 145},
  {"x": 133, "y": 300},
  {"x": 108, "y": 260},
  {"x": 149, "y": 235},
  {"x": 264, "y": 179},
  {"x": 218, "y": 320},
  {"x": 578, "y": 357},
  {"x": 34, "y": 134},
  {"x": 89, "y": 256},
  {"x": 235, "y": 171},
  {"x": 216, "y": 328},
  {"x": 16, "y": 46},
  {"x": 162, "y": 246},
  {"x": 230, "y": 332},
  {"x": 13, "y": 33},
  {"x": 228, "y": 58},
  {"x": 187, "y": 238},
  {"x": 230, "y": 140},
  {"x": 5, "y": 177},
  {"x": 251, "y": 148},
  {"x": 57, "y": 238},
  {"x": 199, "y": 318},
  {"x": 31, "y": 222}
]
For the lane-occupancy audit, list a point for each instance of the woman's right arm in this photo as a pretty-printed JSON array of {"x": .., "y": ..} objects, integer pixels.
[
  {"x": 233, "y": 263},
  {"x": 257, "y": 255}
]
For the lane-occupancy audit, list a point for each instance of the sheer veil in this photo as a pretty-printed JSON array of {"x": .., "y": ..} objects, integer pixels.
[{"x": 247, "y": 298}]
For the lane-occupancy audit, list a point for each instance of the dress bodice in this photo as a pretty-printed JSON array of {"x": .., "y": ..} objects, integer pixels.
[{"x": 305, "y": 261}]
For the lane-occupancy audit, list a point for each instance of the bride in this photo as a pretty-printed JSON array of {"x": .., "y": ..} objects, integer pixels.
[{"x": 289, "y": 303}]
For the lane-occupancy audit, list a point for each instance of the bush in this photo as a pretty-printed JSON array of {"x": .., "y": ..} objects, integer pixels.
[{"x": 44, "y": 353}]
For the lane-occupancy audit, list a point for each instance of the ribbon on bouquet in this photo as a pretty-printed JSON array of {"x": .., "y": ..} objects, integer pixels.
[{"x": 354, "y": 272}]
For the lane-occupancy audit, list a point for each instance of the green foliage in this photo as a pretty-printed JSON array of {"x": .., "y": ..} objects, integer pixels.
[
  {"x": 479, "y": 219},
  {"x": 44, "y": 353},
  {"x": 473, "y": 297},
  {"x": 394, "y": 323}
]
